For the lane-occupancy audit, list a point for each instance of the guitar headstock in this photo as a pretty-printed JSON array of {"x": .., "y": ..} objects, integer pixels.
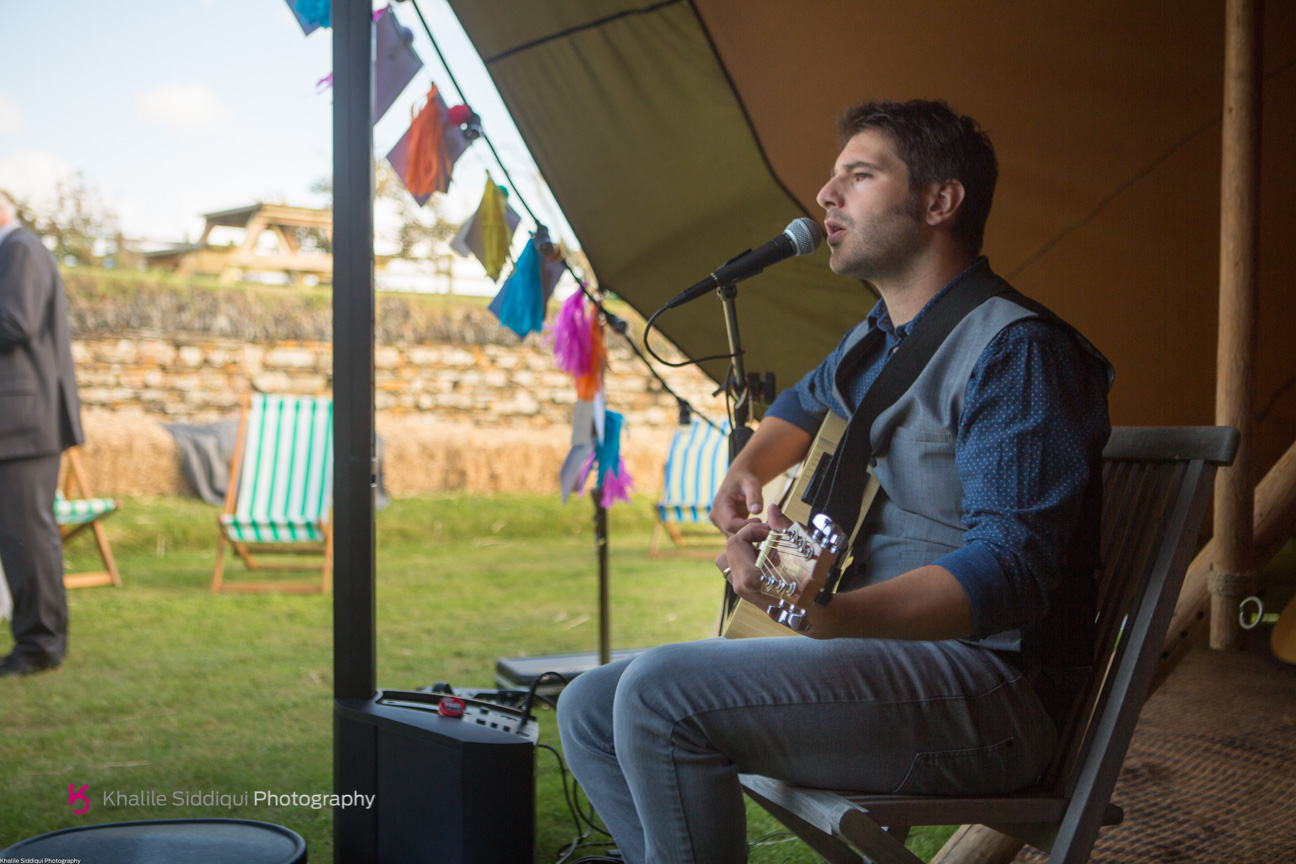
[{"x": 794, "y": 565}]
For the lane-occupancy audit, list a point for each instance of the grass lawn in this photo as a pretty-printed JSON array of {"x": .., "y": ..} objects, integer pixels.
[{"x": 169, "y": 688}]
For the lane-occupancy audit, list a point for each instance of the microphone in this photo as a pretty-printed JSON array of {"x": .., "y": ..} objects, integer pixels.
[{"x": 801, "y": 237}]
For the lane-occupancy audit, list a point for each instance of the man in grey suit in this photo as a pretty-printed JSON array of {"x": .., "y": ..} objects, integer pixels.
[{"x": 40, "y": 417}]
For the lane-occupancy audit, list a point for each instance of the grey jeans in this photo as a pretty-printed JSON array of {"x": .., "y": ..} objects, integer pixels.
[{"x": 658, "y": 742}]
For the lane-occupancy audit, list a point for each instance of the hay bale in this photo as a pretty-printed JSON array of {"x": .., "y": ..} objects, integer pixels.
[
  {"x": 422, "y": 454},
  {"x": 130, "y": 454}
]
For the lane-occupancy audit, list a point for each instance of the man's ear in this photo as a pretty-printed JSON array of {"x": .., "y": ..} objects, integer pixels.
[{"x": 943, "y": 201}]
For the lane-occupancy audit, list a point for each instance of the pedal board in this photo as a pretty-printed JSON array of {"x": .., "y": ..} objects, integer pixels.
[{"x": 477, "y": 711}]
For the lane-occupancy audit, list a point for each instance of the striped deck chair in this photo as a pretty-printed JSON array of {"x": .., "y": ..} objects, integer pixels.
[
  {"x": 280, "y": 490},
  {"x": 75, "y": 511},
  {"x": 695, "y": 465}
]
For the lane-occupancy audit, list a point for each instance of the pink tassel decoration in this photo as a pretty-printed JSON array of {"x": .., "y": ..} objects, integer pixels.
[
  {"x": 571, "y": 336},
  {"x": 617, "y": 485}
]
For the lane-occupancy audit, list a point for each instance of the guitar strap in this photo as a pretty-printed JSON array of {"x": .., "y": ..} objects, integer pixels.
[{"x": 839, "y": 495}]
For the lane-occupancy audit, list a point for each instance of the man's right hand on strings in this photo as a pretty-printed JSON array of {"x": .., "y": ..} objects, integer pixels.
[{"x": 776, "y": 447}]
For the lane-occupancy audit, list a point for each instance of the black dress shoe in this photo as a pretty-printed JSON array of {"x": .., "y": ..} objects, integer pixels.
[{"x": 16, "y": 665}]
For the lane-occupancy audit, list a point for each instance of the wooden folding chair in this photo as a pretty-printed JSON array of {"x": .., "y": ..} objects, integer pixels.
[
  {"x": 1156, "y": 484},
  {"x": 75, "y": 511},
  {"x": 695, "y": 465},
  {"x": 280, "y": 490}
]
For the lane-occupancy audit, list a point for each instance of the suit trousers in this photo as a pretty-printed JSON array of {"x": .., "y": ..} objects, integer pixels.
[
  {"x": 658, "y": 741},
  {"x": 32, "y": 554}
]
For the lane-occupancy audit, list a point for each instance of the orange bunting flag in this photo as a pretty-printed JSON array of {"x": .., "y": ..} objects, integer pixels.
[
  {"x": 589, "y": 384},
  {"x": 429, "y": 163}
]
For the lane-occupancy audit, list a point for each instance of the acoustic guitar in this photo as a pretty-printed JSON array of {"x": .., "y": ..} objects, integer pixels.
[{"x": 795, "y": 564}]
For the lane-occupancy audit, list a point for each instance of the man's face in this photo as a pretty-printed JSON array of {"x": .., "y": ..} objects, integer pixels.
[{"x": 874, "y": 221}]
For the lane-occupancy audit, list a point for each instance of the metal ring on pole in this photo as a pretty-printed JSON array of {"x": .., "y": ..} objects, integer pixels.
[{"x": 1242, "y": 616}]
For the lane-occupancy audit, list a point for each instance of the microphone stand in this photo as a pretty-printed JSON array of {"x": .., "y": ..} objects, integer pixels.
[
  {"x": 740, "y": 393},
  {"x": 736, "y": 383}
]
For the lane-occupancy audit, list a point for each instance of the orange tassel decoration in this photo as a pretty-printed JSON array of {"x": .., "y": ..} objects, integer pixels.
[
  {"x": 429, "y": 164},
  {"x": 589, "y": 384}
]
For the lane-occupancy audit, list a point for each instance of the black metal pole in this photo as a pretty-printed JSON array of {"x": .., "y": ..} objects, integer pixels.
[
  {"x": 354, "y": 637},
  {"x": 604, "y": 598},
  {"x": 354, "y": 642},
  {"x": 354, "y": 663},
  {"x": 737, "y": 383}
]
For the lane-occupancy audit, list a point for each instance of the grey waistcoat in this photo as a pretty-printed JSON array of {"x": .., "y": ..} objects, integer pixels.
[{"x": 917, "y": 516}]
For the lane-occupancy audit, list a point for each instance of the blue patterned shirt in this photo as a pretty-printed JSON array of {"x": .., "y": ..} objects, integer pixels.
[{"x": 1034, "y": 422}]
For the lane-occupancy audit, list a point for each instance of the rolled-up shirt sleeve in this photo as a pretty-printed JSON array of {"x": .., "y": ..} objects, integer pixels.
[{"x": 1031, "y": 433}]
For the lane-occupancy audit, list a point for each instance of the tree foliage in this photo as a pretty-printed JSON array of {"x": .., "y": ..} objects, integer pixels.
[
  {"x": 419, "y": 230},
  {"x": 73, "y": 221}
]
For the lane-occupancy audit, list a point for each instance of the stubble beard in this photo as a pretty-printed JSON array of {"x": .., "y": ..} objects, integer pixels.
[{"x": 884, "y": 248}]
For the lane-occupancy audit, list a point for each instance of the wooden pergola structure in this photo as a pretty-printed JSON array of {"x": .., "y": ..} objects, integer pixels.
[{"x": 229, "y": 263}]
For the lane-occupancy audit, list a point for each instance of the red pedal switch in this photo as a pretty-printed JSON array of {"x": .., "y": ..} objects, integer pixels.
[{"x": 450, "y": 706}]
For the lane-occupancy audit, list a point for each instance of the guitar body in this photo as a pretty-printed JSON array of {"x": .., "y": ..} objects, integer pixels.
[{"x": 749, "y": 620}]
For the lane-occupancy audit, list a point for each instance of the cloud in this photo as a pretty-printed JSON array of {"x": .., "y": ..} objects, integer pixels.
[
  {"x": 32, "y": 174},
  {"x": 11, "y": 119},
  {"x": 186, "y": 107}
]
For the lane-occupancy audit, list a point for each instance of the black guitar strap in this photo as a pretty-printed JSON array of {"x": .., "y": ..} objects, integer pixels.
[{"x": 839, "y": 495}]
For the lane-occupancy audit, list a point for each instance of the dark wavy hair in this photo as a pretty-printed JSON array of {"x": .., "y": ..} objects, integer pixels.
[{"x": 936, "y": 145}]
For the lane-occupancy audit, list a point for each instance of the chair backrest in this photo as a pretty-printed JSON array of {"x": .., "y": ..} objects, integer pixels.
[
  {"x": 1156, "y": 485},
  {"x": 287, "y": 464},
  {"x": 695, "y": 465}
]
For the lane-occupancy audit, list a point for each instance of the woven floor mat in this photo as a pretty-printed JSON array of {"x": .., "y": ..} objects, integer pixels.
[{"x": 1211, "y": 773}]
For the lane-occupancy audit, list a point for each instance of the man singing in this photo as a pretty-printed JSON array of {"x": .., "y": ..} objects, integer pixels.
[{"x": 972, "y": 586}]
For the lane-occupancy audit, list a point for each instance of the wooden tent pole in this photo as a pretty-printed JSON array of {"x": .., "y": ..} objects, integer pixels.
[
  {"x": 1234, "y": 576},
  {"x": 1275, "y": 519}
]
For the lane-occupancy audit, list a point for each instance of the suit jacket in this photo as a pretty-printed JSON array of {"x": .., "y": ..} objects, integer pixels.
[{"x": 40, "y": 413}]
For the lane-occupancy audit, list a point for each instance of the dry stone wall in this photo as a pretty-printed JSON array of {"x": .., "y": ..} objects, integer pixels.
[
  {"x": 461, "y": 403},
  {"x": 197, "y": 380}
]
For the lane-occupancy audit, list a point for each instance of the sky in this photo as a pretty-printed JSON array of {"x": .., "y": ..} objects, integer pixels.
[{"x": 174, "y": 108}]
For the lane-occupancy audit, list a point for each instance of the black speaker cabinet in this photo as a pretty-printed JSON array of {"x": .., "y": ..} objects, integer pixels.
[{"x": 449, "y": 790}]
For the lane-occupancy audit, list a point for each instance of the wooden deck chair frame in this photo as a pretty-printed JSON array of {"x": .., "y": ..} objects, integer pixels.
[
  {"x": 75, "y": 489},
  {"x": 1156, "y": 484},
  {"x": 245, "y": 549},
  {"x": 695, "y": 538}
]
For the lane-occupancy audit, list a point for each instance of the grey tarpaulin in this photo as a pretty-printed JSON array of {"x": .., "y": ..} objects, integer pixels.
[{"x": 205, "y": 453}]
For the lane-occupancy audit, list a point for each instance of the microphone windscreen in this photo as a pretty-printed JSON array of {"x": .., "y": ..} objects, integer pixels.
[{"x": 806, "y": 235}]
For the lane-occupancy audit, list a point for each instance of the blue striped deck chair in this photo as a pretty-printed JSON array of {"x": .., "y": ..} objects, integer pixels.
[
  {"x": 75, "y": 511},
  {"x": 695, "y": 465},
  {"x": 280, "y": 490}
]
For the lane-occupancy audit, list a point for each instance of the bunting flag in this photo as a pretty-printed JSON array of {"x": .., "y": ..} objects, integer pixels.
[
  {"x": 395, "y": 61},
  {"x": 454, "y": 143},
  {"x": 553, "y": 263},
  {"x": 590, "y": 384},
  {"x": 469, "y": 240},
  {"x": 612, "y": 476},
  {"x": 312, "y": 14},
  {"x": 493, "y": 228},
  {"x": 520, "y": 303},
  {"x": 429, "y": 164},
  {"x": 587, "y": 422},
  {"x": 571, "y": 336}
]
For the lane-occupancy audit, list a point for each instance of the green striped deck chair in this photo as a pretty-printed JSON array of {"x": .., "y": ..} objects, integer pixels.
[
  {"x": 695, "y": 465},
  {"x": 280, "y": 489},
  {"x": 75, "y": 511}
]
